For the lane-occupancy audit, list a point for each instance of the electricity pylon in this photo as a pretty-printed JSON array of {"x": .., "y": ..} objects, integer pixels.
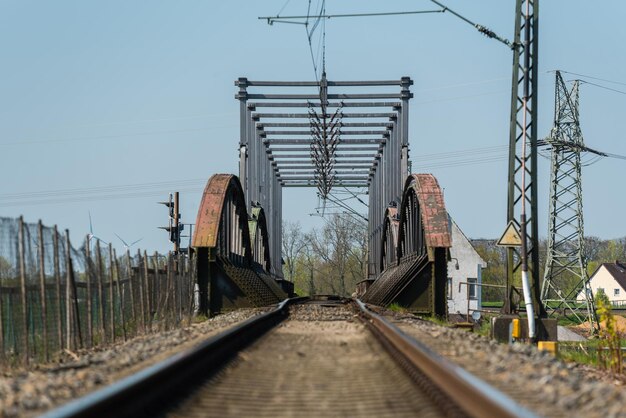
[
  {"x": 522, "y": 175},
  {"x": 566, "y": 266}
]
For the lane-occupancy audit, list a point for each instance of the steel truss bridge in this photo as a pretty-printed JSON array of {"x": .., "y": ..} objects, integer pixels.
[
  {"x": 240, "y": 220},
  {"x": 324, "y": 135}
]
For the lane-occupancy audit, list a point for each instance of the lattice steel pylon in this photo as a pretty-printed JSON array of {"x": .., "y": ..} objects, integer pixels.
[
  {"x": 566, "y": 265},
  {"x": 522, "y": 176}
]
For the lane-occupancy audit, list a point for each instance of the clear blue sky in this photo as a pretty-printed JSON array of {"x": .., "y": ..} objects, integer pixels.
[{"x": 117, "y": 98}]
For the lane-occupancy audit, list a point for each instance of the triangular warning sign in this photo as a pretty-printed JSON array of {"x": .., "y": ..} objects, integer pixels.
[{"x": 511, "y": 236}]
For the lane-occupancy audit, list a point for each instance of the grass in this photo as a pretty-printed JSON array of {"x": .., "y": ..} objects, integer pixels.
[
  {"x": 485, "y": 326},
  {"x": 199, "y": 318},
  {"x": 569, "y": 320},
  {"x": 585, "y": 352},
  {"x": 498, "y": 304},
  {"x": 437, "y": 320},
  {"x": 581, "y": 353},
  {"x": 396, "y": 307}
]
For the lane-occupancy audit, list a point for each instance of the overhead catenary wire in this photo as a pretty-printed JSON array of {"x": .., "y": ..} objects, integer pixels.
[
  {"x": 480, "y": 28},
  {"x": 310, "y": 32}
]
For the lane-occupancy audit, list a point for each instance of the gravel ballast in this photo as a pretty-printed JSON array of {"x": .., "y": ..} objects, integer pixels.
[
  {"x": 30, "y": 392},
  {"x": 533, "y": 378},
  {"x": 536, "y": 380}
]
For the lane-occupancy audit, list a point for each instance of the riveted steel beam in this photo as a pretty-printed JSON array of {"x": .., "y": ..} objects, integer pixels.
[
  {"x": 344, "y": 115},
  {"x": 330, "y": 104},
  {"x": 340, "y": 124}
]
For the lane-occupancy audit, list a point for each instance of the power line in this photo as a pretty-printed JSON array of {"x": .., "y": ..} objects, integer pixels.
[
  {"x": 603, "y": 87},
  {"x": 79, "y": 199},
  {"x": 593, "y": 78},
  {"x": 100, "y": 189},
  {"x": 469, "y": 83},
  {"x": 545, "y": 142},
  {"x": 96, "y": 138}
]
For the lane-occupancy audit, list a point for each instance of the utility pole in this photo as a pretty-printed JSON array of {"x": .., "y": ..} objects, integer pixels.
[
  {"x": 566, "y": 243},
  {"x": 522, "y": 181}
]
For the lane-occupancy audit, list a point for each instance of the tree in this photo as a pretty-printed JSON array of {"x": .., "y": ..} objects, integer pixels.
[
  {"x": 6, "y": 269},
  {"x": 292, "y": 244},
  {"x": 341, "y": 245},
  {"x": 600, "y": 298},
  {"x": 495, "y": 273}
]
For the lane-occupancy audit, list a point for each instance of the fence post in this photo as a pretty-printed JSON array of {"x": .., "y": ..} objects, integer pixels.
[
  {"x": 156, "y": 301},
  {"x": 74, "y": 292},
  {"x": 147, "y": 288},
  {"x": 23, "y": 288},
  {"x": 191, "y": 286},
  {"x": 141, "y": 292},
  {"x": 1, "y": 325},
  {"x": 111, "y": 301},
  {"x": 168, "y": 302},
  {"x": 89, "y": 296},
  {"x": 42, "y": 290},
  {"x": 57, "y": 279},
  {"x": 178, "y": 297},
  {"x": 68, "y": 292},
  {"x": 100, "y": 292},
  {"x": 131, "y": 291},
  {"x": 120, "y": 295}
]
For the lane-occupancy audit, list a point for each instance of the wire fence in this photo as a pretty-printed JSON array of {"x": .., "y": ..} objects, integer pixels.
[{"x": 55, "y": 298}]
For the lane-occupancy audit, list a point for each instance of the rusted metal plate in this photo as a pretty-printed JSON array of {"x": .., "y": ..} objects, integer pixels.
[
  {"x": 210, "y": 211},
  {"x": 433, "y": 208}
]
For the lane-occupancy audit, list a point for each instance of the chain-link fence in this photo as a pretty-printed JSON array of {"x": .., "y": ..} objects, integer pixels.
[{"x": 54, "y": 297}]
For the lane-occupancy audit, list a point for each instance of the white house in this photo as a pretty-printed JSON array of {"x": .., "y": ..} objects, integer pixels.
[
  {"x": 611, "y": 277},
  {"x": 464, "y": 273}
]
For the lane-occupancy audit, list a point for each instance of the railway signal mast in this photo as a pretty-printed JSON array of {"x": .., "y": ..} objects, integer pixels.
[{"x": 175, "y": 226}]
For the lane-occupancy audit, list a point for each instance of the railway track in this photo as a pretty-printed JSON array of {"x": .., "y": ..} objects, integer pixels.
[{"x": 328, "y": 357}]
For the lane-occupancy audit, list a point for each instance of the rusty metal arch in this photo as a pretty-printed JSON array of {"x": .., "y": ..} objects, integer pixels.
[
  {"x": 423, "y": 217},
  {"x": 389, "y": 245},
  {"x": 222, "y": 221},
  {"x": 259, "y": 238}
]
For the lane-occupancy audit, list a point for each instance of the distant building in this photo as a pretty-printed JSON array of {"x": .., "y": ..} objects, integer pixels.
[
  {"x": 464, "y": 274},
  {"x": 610, "y": 277}
]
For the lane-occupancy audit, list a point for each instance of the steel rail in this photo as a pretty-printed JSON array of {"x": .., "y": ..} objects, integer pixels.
[
  {"x": 144, "y": 393},
  {"x": 155, "y": 389},
  {"x": 468, "y": 393}
]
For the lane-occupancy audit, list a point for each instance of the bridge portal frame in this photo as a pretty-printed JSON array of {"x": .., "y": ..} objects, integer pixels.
[{"x": 383, "y": 126}]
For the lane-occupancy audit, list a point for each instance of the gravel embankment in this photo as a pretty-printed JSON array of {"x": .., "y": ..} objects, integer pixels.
[
  {"x": 320, "y": 362},
  {"x": 535, "y": 379},
  {"x": 28, "y": 393}
]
